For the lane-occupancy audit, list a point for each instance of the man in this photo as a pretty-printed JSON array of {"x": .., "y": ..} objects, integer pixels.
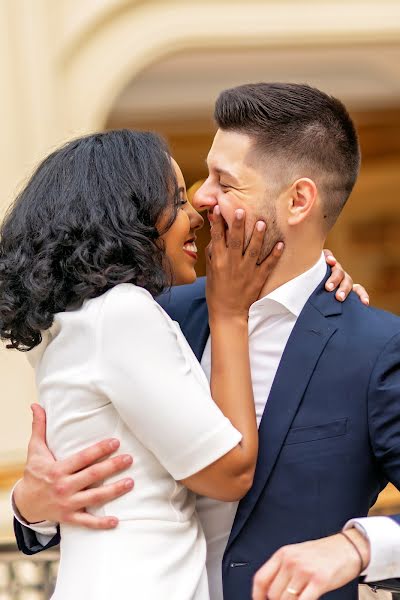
[{"x": 325, "y": 374}]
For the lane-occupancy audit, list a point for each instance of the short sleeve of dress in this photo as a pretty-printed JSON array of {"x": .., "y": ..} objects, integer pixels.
[{"x": 145, "y": 372}]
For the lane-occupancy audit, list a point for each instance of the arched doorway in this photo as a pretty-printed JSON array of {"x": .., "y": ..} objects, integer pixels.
[{"x": 175, "y": 97}]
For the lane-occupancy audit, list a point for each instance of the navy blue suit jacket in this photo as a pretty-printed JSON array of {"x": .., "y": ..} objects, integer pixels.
[{"x": 329, "y": 438}]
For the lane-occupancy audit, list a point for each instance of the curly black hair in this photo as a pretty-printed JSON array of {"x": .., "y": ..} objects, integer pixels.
[{"x": 85, "y": 222}]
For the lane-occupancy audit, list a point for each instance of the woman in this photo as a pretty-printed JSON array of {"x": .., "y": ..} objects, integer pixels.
[{"x": 101, "y": 228}]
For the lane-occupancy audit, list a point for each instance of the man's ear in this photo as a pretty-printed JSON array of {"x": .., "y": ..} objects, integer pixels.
[{"x": 302, "y": 197}]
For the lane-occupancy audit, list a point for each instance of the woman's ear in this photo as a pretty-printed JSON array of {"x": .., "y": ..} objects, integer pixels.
[{"x": 302, "y": 196}]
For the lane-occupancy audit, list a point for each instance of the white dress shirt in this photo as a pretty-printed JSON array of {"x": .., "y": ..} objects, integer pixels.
[{"x": 271, "y": 320}]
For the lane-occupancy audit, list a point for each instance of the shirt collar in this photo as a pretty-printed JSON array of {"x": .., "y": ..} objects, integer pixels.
[{"x": 294, "y": 294}]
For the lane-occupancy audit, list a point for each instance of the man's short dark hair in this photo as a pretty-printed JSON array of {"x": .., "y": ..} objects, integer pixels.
[{"x": 304, "y": 131}]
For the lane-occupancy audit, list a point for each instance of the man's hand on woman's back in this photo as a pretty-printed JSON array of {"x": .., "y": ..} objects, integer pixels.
[{"x": 60, "y": 491}]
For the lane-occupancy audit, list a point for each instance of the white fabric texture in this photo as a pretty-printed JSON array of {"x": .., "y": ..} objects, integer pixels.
[{"x": 120, "y": 367}]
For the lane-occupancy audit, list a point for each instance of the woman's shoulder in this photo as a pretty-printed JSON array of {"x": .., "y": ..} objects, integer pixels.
[
  {"x": 129, "y": 302},
  {"x": 127, "y": 316},
  {"x": 127, "y": 292}
]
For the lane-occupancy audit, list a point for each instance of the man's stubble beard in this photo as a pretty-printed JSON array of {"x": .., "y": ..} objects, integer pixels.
[{"x": 273, "y": 233}]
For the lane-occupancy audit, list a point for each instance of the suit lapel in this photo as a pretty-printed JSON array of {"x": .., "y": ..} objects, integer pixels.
[
  {"x": 195, "y": 326},
  {"x": 303, "y": 349}
]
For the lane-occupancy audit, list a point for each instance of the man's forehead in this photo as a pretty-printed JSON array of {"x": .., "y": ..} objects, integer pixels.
[{"x": 228, "y": 150}]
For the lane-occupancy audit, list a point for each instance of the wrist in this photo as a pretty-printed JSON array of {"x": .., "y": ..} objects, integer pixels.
[
  {"x": 239, "y": 319},
  {"x": 362, "y": 544},
  {"x": 23, "y": 504}
]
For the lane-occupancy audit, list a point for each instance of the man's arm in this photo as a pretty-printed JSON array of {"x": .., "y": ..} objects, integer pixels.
[
  {"x": 383, "y": 535},
  {"x": 323, "y": 565},
  {"x": 53, "y": 492},
  {"x": 317, "y": 567},
  {"x": 308, "y": 570}
]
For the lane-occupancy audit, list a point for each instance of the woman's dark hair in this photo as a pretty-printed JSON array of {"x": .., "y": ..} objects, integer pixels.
[
  {"x": 301, "y": 127},
  {"x": 85, "y": 222}
]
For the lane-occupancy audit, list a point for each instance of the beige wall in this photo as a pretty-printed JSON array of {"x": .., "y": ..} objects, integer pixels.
[{"x": 63, "y": 64}]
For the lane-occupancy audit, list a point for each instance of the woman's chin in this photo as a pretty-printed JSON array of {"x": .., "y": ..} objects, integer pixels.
[{"x": 189, "y": 276}]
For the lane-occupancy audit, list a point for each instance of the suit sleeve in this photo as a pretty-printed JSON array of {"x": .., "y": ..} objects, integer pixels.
[
  {"x": 33, "y": 538},
  {"x": 384, "y": 410},
  {"x": 384, "y": 425},
  {"x": 27, "y": 540}
]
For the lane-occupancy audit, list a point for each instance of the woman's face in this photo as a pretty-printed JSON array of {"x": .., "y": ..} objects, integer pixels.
[{"x": 180, "y": 239}]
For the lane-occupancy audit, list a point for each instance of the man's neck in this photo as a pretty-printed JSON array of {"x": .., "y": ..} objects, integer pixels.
[{"x": 292, "y": 263}]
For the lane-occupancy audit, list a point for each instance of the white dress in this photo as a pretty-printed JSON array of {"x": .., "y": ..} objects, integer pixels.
[{"x": 120, "y": 367}]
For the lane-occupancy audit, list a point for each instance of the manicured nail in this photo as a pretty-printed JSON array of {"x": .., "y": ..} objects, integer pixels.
[
  {"x": 342, "y": 295},
  {"x": 217, "y": 210},
  {"x": 330, "y": 285},
  {"x": 239, "y": 214},
  {"x": 114, "y": 444},
  {"x": 260, "y": 226}
]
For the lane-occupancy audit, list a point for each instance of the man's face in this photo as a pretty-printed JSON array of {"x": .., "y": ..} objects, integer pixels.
[{"x": 235, "y": 183}]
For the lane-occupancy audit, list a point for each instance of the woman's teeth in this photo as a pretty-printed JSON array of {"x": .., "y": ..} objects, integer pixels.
[{"x": 191, "y": 247}]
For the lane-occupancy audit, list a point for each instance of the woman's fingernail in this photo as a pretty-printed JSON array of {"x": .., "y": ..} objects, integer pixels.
[
  {"x": 330, "y": 286},
  {"x": 239, "y": 213},
  {"x": 366, "y": 300},
  {"x": 260, "y": 225},
  {"x": 128, "y": 484},
  {"x": 342, "y": 295},
  {"x": 217, "y": 210},
  {"x": 280, "y": 245}
]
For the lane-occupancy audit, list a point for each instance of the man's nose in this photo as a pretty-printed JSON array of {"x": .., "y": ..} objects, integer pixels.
[{"x": 204, "y": 198}]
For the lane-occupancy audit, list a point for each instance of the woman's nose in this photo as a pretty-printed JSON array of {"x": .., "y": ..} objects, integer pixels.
[{"x": 196, "y": 220}]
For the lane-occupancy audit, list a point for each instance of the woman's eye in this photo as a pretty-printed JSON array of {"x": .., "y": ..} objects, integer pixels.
[{"x": 182, "y": 202}]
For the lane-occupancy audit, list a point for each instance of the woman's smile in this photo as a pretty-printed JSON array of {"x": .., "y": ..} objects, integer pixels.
[{"x": 190, "y": 248}]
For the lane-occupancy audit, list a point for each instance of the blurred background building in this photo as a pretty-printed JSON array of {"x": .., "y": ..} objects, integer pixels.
[{"x": 69, "y": 67}]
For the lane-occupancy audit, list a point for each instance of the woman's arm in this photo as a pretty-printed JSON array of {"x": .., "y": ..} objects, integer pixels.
[
  {"x": 234, "y": 282},
  {"x": 146, "y": 370}
]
